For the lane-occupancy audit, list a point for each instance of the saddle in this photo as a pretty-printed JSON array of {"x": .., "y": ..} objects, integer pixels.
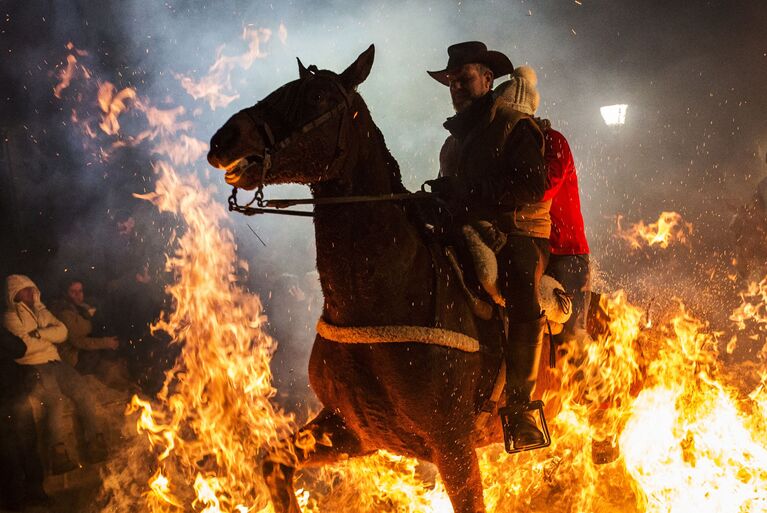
[{"x": 483, "y": 241}]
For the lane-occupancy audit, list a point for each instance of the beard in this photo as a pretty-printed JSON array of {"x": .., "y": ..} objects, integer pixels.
[{"x": 462, "y": 102}]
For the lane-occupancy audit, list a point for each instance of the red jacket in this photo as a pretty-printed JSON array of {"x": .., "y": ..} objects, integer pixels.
[{"x": 568, "y": 236}]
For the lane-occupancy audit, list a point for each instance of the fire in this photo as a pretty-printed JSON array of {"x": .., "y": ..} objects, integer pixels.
[
  {"x": 66, "y": 75},
  {"x": 218, "y": 394},
  {"x": 669, "y": 228},
  {"x": 112, "y": 104},
  {"x": 689, "y": 441},
  {"x": 753, "y": 307},
  {"x": 216, "y": 87}
]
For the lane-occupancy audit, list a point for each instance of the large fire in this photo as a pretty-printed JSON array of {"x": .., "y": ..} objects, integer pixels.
[{"x": 691, "y": 438}]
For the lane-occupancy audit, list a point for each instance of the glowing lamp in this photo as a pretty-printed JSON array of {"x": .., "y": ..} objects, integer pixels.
[{"x": 614, "y": 115}]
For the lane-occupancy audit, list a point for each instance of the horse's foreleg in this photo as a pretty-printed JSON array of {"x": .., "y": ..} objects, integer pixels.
[
  {"x": 323, "y": 440},
  {"x": 459, "y": 468}
]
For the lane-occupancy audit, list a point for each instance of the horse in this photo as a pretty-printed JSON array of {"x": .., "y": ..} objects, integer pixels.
[{"x": 409, "y": 398}]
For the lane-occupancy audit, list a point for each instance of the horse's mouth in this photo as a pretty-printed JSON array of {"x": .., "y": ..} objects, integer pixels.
[
  {"x": 242, "y": 172},
  {"x": 235, "y": 170},
  {"x": 233, "y": 165}
]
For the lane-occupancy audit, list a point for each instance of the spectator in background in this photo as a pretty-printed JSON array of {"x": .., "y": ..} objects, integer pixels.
[
  {"x": 133, "y": 272},
  {"x": 21, "y": 472},
  {"x": 83, "y": 351},
  {"x": 27, "y": 318}
]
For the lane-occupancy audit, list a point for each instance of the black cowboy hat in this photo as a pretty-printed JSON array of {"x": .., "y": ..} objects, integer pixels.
[{"x": 472, "y": 52}]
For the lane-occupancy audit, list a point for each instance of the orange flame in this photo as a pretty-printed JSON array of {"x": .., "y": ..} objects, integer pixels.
[
  {"x": 216, "y": 87},
  {"x": 669, "y": 228},
  {"x": 112, "y": 104}
]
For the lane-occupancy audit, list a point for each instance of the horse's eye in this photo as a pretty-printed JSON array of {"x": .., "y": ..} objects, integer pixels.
[{"x": 317, "y": 98}]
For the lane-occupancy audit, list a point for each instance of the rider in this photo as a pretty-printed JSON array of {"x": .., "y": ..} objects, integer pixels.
[
  {"x": 569, "y": 259},
  {"x": 492, "y": 168}
]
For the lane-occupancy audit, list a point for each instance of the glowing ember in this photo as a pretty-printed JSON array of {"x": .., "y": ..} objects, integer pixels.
[{"x": 670, "y": 228}]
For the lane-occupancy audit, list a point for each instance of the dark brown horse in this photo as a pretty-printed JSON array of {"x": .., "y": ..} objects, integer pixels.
[{"x": 413, "y": 399}]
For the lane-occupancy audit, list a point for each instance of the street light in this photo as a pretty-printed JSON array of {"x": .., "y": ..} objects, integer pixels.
[{"x": 614, "y": 115}]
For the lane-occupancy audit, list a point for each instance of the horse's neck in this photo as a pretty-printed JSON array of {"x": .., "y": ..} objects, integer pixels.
[{"x": 369, "y": 256}]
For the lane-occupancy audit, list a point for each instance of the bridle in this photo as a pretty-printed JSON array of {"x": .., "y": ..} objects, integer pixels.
[{"x": 273, "y": 147}]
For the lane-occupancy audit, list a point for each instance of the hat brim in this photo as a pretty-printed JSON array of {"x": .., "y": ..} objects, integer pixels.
[
  {"x": 440, "y": 76},
  {"x": 498, "y": 63}
]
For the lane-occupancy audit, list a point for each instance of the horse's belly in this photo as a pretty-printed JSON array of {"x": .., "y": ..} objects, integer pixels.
[{"x": 398, "y": 397}]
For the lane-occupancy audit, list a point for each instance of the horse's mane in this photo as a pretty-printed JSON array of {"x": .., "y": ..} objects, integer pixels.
[{"x": 378, "y": 139}]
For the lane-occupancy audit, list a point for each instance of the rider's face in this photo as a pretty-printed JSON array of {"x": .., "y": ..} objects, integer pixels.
[{"x": 468, "y": 84}]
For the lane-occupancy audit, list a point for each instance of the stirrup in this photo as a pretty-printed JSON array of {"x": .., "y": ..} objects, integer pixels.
[{"x": 509, "y": 413}]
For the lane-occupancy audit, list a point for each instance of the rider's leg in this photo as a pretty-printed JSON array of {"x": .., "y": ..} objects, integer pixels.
[
  {"x": 521, "y": 263},
  {"x": 323, "y": 440}
]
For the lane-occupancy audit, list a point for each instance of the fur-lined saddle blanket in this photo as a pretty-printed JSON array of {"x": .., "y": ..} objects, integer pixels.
[{"x": 484, "y": 241}]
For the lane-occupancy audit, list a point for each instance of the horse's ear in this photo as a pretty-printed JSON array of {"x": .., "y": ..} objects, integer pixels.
[
  {"x": 359, "y": 70},
  {"x": 302, "y": 71}
]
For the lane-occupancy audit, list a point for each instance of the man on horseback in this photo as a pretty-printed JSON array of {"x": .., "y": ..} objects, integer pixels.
[{"x": 492, "y": 169}]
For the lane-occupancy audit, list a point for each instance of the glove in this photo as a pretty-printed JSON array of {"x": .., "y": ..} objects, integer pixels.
[{"x": 447, "y": 187}]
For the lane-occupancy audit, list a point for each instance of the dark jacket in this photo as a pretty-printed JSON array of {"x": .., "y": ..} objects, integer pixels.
[
  {"x": 79, "y": 322},
  {"x": 497, "y": 153},
  {"x": 11, "y": 373}
]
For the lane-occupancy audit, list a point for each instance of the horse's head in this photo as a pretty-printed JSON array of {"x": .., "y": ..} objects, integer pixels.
[{"x": 297, "y": 134}]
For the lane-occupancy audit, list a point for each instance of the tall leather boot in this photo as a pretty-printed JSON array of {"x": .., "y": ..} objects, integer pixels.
[{"x": 523, "y": 355}]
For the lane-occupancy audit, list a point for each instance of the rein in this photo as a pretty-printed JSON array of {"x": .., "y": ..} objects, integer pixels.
[{"x": 279, "y": 206}]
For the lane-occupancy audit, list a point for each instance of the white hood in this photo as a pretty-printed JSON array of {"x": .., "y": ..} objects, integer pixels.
[{"x": 15, "y": 283}]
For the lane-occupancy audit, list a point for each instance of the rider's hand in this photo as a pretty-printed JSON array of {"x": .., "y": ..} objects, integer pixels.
[{"x": 447, "y": 187}]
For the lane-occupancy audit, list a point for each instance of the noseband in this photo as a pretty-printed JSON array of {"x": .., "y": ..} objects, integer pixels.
[{"x": 273, "y": 147}]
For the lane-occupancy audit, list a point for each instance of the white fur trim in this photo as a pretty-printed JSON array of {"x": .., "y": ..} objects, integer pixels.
[
  {"x": 485, "y": 264},
  {"x": 397, "y": 334}
]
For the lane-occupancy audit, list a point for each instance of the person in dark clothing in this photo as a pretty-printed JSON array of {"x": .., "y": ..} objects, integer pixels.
[
  {"x": 134, "y": 280},
  {"x": 21, "y": 472},
  {"x": 492, "y": 169}
]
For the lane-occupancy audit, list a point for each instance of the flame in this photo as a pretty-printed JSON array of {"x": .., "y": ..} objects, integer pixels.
[
  {"x": 688, "y": 445},
  {"x": 183, "y": 151},
  {"x": 218, "y": 394},
  {"x": 66, "y": 75},
  {"x": 216, "y": 87},
  {"x": 669, "y": 228},
  {"x": 112, "y": 104},
  {"x": 160, "y": 489},
  {"x": 753, "y": 307},
  {"x": 689, "y": 440}
]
